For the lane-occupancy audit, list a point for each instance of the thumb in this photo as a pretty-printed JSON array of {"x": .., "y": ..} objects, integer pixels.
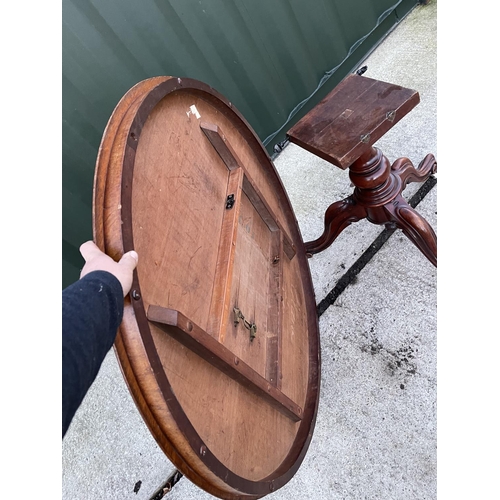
[
  {"x": 129, "y": 260},
  {"x": 90, "y": 250}
]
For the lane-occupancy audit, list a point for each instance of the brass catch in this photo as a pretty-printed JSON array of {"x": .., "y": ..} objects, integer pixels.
[{"x": 249, "y": 326}]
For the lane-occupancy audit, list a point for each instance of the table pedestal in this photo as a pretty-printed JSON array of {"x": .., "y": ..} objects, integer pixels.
[
  {"x": 377, "y": 197},
  {"x": 342, "y": 129}
]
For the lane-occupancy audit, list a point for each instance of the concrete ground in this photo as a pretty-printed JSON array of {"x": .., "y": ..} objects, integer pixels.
[{"x": 375, "y": 436}]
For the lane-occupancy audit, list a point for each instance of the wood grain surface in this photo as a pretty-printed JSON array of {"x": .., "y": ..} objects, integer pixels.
[
  {"x": 172, "y": 155},
  {"x": 351, "y": 118}
]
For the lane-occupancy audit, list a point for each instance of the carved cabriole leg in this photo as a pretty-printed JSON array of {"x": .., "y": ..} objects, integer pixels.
[
  {"x": 404, "y": 168},
  {"x": 338, "y": 216},
  {"x": 414, "y": 226}
]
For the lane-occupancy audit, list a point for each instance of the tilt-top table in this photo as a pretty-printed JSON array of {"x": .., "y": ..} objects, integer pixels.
[{"x": 219, "y": 342}]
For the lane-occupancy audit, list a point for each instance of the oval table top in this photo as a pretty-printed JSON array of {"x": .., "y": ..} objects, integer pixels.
[{"x": 219, "y": 342}]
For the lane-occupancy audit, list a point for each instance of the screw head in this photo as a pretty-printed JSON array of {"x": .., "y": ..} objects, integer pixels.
[
  {"x": 391, "y": 115},
  {"x": 136, "y": 295}
]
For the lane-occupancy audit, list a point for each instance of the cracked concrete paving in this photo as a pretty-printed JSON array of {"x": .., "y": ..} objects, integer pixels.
[{"x": 375, "y": 436}]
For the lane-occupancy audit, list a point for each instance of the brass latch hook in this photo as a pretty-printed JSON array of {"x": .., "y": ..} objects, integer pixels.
[{"x": 249, "y": 326}]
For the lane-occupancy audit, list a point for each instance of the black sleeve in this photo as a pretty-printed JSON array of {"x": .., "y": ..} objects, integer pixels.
[{"x": 92, "y": 310}]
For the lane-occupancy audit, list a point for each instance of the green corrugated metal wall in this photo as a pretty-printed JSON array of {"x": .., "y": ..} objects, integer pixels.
[{"x": 266, "y": 56}]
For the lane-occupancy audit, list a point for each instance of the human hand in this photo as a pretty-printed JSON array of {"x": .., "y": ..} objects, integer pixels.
[{"x": 95, "y": 260}]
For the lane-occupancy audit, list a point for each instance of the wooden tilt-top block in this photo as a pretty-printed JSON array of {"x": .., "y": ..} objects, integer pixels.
[{"x": 351, "y": 118}]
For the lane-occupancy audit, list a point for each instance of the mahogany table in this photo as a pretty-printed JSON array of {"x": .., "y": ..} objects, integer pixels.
[
  {"x": 342, "y": 130},
  {"x": 219, "y": 342}
]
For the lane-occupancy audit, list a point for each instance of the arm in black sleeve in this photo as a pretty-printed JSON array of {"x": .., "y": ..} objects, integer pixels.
[{"x": 92, "y": 311}]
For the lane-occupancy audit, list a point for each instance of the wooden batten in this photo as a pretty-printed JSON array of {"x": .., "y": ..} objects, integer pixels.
[{"x": 203, "y": 344}]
